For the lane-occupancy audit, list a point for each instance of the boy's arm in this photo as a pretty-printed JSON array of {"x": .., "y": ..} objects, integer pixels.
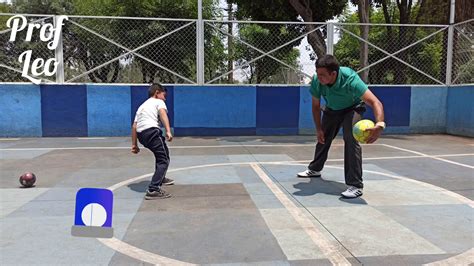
[
  {"x": 166, "y": 123},
  {"x": 135, "y": 148}
]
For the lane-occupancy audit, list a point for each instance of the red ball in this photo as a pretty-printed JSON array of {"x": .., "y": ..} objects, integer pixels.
[{"x": 27, "y": 179}]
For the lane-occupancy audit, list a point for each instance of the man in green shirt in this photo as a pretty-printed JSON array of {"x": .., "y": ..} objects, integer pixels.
[{"x": 345, "y": 94}]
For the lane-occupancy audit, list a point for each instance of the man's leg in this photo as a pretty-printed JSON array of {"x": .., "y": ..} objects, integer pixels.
[
  {"x": 352, "y": 152},
  {"x": 331, "y": 124}
]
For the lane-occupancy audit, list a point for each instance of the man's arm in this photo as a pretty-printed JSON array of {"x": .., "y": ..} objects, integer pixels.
[
  {"x": 166, "y": 123},
  {"x": 316, "y": 108},
  {"x": 371, "y": 100},
  {"x": 135, "y": 148}
]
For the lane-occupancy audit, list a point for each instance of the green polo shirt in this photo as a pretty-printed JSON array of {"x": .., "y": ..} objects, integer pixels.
[{"x": 345, "y": 93}]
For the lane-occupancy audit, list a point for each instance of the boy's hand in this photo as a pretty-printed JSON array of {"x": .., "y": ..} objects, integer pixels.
[
  {"x": 135, "y": 149},
  {"x": 169, "y": 137}
]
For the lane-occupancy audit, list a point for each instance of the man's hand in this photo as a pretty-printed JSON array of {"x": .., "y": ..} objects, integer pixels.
[
  {"x": 375, "y": 133},
  {"x": 320, "y": 134},
  {"x": 135, "y": 149},
  {"x": 169, "y": 137}
]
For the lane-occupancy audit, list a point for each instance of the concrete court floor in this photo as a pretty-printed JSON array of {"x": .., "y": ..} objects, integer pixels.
[{"x": 237, "y": 201}]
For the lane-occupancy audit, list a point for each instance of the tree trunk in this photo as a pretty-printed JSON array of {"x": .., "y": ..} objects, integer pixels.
[
  {"x": 363, "y": 9},
  {"x": 316, "y": 38},
  {"x": 464, "y": 10}
]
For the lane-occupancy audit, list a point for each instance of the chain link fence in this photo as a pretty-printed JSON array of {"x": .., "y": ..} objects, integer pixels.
[
  {"x": 10, "y": 51},
  {"x": 463, "y": 53},
  {"x": 144, "y": 50},
  {"x": 408, "y": 54}
]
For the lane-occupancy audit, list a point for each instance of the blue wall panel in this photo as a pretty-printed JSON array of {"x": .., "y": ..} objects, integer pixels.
[
  {"x": 215, "y": 107},
  {"x": 20, "y": 110},
  {"x": 305, "y": 123},
  {"x": 56, "y": 110},
  {"x": 460, "y": 117},
  {"x": 278, "y": 110},
  {"x": 139, "y": 94},
  {"x": 396, "y": 102},
  {"x": 206, "y": 131},
  {"x": 108, "y": 110},
  {"x": 428, "y": 109},
  {"x": 64, "y": 110}
]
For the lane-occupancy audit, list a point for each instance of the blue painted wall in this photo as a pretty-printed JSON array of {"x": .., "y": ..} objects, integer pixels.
[
  {"x": 215, "y": 110},
  {"x": 20, "y": 110},
  {"x": 107, "y": 115},
  {"x": 428, "y": 109},
  {"x": 460, "y": 117},
  {"x": 108, "y": 110},
  {"x": 64, "y": 110},
  {"x": 278, "y": 110}
]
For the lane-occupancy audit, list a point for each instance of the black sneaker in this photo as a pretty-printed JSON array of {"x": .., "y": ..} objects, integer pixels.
[
  {"x": 167, "y": 181},
  {"x": 157, "y": 194}
]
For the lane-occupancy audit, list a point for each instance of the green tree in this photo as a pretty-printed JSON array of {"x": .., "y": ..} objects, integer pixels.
[
  {"x": 426, "y": 56},
  {"x": 84, "y": 51},
  {"x": 294, "y": 10},
  {"x": 265, "y": 68}
]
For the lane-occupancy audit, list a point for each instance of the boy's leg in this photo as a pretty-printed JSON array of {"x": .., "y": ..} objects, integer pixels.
[
  {"x": 352, "y": 152},
  {"x": 331, "y": 124},
  {"x": 155, "y": 142}
]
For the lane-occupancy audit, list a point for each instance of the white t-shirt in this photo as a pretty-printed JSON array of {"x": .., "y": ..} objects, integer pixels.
[{"x": 147, "y": 114}]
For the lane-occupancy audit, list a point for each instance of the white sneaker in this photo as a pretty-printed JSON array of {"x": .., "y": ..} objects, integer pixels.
[
  {"x": 352, "y": 192},
  {"x": 309, "y": 173}
]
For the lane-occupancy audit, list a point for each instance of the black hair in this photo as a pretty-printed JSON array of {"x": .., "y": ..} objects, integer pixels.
[
  {"x": 154, "y": 88},
  {"x": 328, "y": 62}
]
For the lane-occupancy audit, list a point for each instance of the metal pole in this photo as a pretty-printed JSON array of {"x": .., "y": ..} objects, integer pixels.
[
  {"x": 449, "y": 56},
  {"x": 200, "y": 45},
  {"x": 330, "y": 48},
  {"x": 58, "y": 53}
]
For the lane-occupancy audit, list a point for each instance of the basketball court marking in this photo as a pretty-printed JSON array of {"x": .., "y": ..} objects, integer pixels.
[
  {"x": 430, "y": 156},
  {"x": 143, "y": 255},
  {"x": 175, "y": 147},
  {"x": 461, "y": 259},
  {"x": 332, "y": 252}
]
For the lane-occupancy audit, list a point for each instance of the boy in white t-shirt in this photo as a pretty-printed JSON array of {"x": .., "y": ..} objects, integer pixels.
[{"x": 146, "y": 127}]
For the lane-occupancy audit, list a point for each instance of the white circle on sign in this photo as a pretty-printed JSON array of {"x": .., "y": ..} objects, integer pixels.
[{"x": 94, "y": 215}]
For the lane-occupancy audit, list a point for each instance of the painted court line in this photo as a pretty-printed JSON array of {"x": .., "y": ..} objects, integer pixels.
[
  {"x": 144, "y": 255},
  {"x": 465, "y": 258},
  {"x": 331, "y": 252},
  {"x": 430, "y": 156},
  {"x": 172, "y": 147},
  {"x": 139, "y": 254},
  {"x": 91, "y": 138},
  {"x": 8, "y": 139}
]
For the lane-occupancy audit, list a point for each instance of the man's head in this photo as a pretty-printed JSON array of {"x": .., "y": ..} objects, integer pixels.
[
  {"x": 327, "y": 68},
  {"x": 157, "y": 91}
]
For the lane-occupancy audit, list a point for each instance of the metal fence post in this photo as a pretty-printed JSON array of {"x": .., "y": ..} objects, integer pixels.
[
  {"x": 330, "y": 33},
  {"x": 200, "y": 45},
  {"x": 449, "y": 56},
  {"x": 58, "y": 53}
]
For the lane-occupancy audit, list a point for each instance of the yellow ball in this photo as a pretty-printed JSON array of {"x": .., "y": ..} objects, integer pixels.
[{"x": 359, "y": 131}]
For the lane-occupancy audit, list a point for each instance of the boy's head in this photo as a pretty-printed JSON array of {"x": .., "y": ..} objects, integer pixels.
[
  {"x": 327, "y": 68},
  {"x": 157, "y": 91}
]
